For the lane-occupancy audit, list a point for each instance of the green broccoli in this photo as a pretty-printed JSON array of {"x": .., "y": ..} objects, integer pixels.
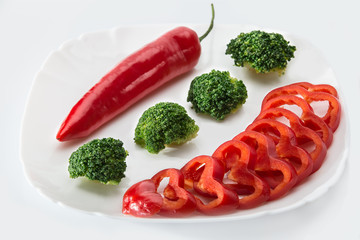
[
  {"x": 262, "y": 51},
  {"x": 164, "y": 124},
  {"x": 101, "y": 160},
  {"x": 216, "y": 94}
]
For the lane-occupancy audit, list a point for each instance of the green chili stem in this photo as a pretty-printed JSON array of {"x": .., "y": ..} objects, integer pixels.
[{"x": 211, "y": 24}]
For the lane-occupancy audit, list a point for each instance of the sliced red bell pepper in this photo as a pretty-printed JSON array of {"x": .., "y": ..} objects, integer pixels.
[
  {"x": 306, "y": 138},
  {"x": 279, "y": 174},
  {"x": 309, "y": 118},
  {"x": 142, "y": 199},
  {"x": 317, "y": 88},
  {"x": 177, "y": 201},
  {"x": 286, "y": 145},
  {"x": 332, "y": 116},
  {"x": 301, "y": 88},
  {"x": 207, "y": 181},
  {"x": 239, "y": 158}
]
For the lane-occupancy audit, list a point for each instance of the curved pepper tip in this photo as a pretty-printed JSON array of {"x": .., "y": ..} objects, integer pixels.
[
  {"x": 59, "y": 137},
  {"x": 62, "y": 137},
  {"x": 66, "y": 134}
]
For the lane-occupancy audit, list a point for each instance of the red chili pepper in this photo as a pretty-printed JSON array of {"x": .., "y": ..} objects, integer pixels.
[
  {"x": 177, "y": 201},
  {"x": 332, "y": 116},
  {"x": 280, "y": 175},
  {"x": 306, "y": 138},
  {"x": 286, "y": 145},
  {"x": 142, "y": 199},
  {"x": 209, "y": 173},
  {"x": 239, "y": 158},
  {"x": 171, "y": 55},
  {"x": 308, "y": 116}
]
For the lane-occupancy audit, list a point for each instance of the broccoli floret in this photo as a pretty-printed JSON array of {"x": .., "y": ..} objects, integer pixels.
[
  {"x": 164, "y": 124},
  {"x": 217, "y": 94},
  {"x": 262, "y": 51},
  {"x": 101, "y": 160}
]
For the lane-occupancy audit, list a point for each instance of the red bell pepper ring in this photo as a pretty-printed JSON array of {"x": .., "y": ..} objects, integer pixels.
[
  {"x": 177, "y": 201},
  {"x": 332, "y": 116},
  {"x": 209, "y": 184},
  {"x": 171, "y": 55},
  {"x": 306, "y": 138},
  {"x": 280, "y": 175},
  {"x": 309, "y": 118},
  {"x": 286, "y": 145},
  {"x": 142, "y": 199},
  {"x": 301, "y": 88},
  {"x": 239, "y": 158},
  {"x": 317, "y": 88}
]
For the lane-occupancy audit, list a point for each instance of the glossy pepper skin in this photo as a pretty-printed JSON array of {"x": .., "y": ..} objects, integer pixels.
[
  {"x": 204, "y": 174},
  {"x": 306, "y": 138},
  {"x": 239, "y": 158},
  {"x": 298, "y": 87},
  {"x": 142, "y": 199},
  {"x": 317, "y": 88},
  {"x": 279, "y": 174},
  {"x": 285, "y": 145},
  {"x": 174, "y": 53},
  {"x": 176, "y": 201},
  {"x": 310, "y": 95},
  {"x": 308, "y": 117}
]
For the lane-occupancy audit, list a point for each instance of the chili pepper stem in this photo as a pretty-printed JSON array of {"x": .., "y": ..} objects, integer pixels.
[{"x": 211, "y": 24}]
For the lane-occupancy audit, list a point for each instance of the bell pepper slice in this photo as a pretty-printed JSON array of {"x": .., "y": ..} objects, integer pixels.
[
  {"x": 332, "y": 116},
  {"x": 177, "y": 201},
  {"x": 301, "y": 88},
  {"x": 317, "y": 88},
  {"x": 306, "y": 138},
  {"x": 239, "y": 158},
  {"x": 309, "y": 118},
  {"x": 286, "y": 145},
  {"x": 279, "y": 174},
  {"x": 209, "y": 173},
  {"x": 142, "y": 199}
]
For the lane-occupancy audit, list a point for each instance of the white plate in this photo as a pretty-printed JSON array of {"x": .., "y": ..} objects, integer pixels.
[{"x": 78, "y": 64}]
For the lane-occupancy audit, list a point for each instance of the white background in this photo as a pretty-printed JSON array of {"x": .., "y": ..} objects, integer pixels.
[{"x": 30, "y": 30}]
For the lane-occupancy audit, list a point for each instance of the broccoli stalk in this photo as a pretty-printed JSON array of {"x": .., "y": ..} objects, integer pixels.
[
  {"x": 164, "y": 124},
  {"x": 262, "y": 51},
  {"x": 216, "y": 94},
  {"x": 100, "y": 160}
]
